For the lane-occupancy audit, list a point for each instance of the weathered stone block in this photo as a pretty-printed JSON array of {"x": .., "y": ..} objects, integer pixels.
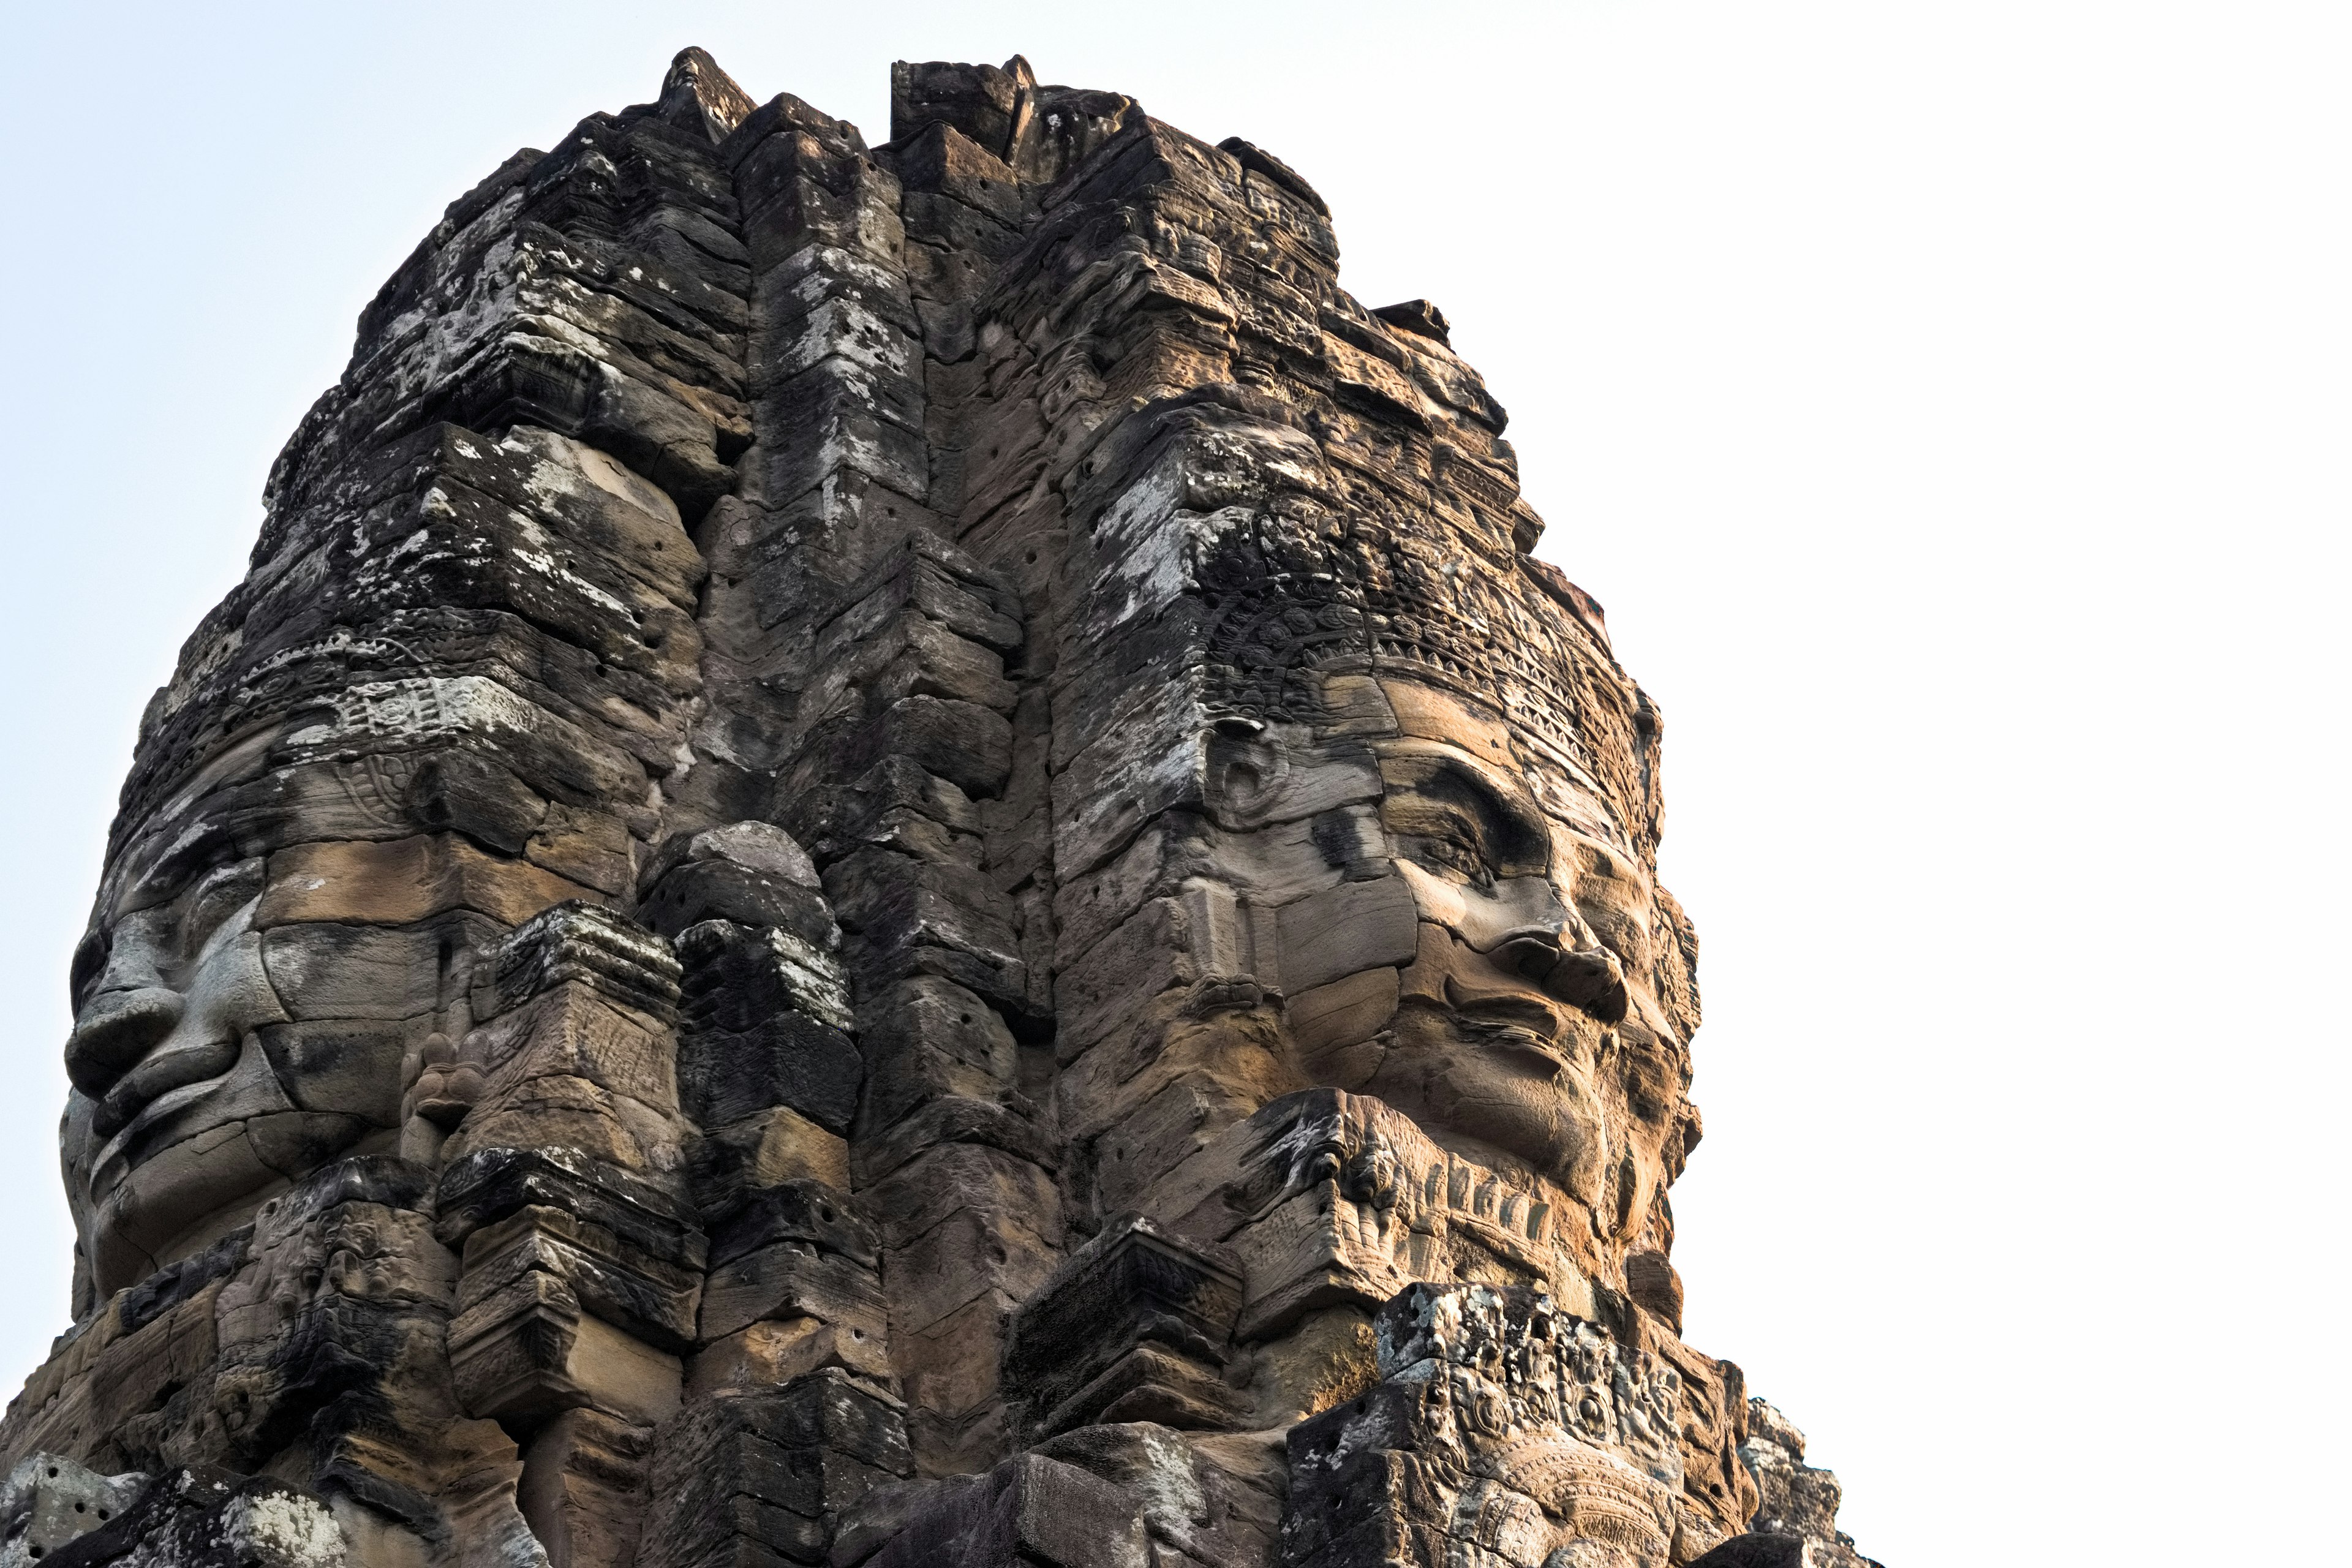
[
  {"x": 737, "y": 976},
  {"x": 583, "y": 1488},
  {"x": 1346, "y": 930},
  {"x": 199, "y": 1517},
  {"x": 775, "y": 1351},
  {"x": 764, "y": 1150},
  {"x": 528, "y": 1351},
  {"x": 792, "y": 1279},
  {"x": 942, "y": 159},
  {"x": 1134, "y": 1327},
  {"x": 702, "y": 890},
  {"x": 581, "y": 943},
  {"x": 407, "y": 881},
  {"x": 1031, "y": 1510},
  {"x": 48, "y": 1500},
  {"x": 1013, "y": 542},
  {"x": 973, "y": 1250},
  {"x": 788, "y": 1059},
  {"x": 649, "y": 1299},
  {"x": 492, "y": 1184},
  {"x": 804, "y": 1211},
  {"x": 742, "y": 1476}
]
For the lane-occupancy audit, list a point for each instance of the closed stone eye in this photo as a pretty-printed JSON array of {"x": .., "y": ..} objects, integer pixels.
[{"x": 1454, "y": 855}]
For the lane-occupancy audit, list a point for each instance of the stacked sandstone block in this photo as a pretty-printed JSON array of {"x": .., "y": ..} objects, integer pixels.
[{"x": 757, "y": 936}]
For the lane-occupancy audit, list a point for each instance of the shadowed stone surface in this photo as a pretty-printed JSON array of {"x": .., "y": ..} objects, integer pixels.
[{"x": 893, "y": 857}]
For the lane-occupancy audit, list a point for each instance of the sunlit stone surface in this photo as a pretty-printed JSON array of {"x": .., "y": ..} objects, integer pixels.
[{"x": 893, "y": 857}]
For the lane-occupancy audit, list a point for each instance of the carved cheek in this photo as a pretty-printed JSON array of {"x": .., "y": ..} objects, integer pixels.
[
  {"x": 1483, "y": 918},
  {"x": 228, "y": 998},
  {"x": 230, "y": 994},
  {"x": 78, "y": 1143},
  {"x": 1514, "y": 906},
  {"x": 1587, "y": 1140},
  {"x": 138, "y": 949},
  {"x": 1436, "y": 899},
  {"x": 1617, "y": 921}
]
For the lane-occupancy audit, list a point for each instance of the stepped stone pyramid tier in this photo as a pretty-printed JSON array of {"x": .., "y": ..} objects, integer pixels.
[{"x": 893, "y": 858}]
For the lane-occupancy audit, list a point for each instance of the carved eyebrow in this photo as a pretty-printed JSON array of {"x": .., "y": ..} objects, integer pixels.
[
  {"x": 239, "y": 879},
  {"x": 217, "y": 894}
]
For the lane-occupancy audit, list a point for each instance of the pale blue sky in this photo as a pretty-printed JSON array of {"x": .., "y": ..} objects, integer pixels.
[{"x": 1949, "y": 401}]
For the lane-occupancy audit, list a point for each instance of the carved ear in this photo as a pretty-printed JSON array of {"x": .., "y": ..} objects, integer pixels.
[{"x": 1248, "y": 767}]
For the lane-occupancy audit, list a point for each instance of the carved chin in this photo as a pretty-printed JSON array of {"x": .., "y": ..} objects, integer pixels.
[
  {"x": 1467, "y": 1087},
  {"x": 153, "y": 1212}
]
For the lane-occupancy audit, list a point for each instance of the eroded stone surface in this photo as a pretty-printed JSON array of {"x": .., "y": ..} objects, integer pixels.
[
  {"x": 48, "y": 1500},
  {"x": 893, "y": 857}
]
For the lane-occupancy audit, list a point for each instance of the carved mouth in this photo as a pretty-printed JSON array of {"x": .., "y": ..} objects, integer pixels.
[
  {"x": 1529, "y": 1046},
  {"x": 1516, "y": 1024}
]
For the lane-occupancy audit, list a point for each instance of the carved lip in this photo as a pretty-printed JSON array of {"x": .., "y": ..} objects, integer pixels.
[
  {"x": 122, "y": 1127},
  {"x": 1510, "y": 1022},
  {"x": 158, "y": 1076},
  {"x": 1524, "y": 1043}
]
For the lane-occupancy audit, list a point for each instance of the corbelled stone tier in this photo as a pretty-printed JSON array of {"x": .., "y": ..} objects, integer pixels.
[{"x": 894, "y": 858}]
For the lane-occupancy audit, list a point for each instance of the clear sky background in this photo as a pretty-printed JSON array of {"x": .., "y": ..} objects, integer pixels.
[{"x": 1947, "y": 401}]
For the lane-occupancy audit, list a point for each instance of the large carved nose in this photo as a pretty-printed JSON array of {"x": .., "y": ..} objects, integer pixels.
[
  {"x": 115, "y": 1029},
  {"x": 1588, "y": 978},
  {"x": 1592, "y": 979}
]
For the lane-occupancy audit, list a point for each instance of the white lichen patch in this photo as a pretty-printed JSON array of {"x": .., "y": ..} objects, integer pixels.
[{"x": 284, "y": 1529}]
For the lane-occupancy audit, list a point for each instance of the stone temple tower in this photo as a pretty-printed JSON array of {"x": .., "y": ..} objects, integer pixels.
[{"x": 893, "y": 859}]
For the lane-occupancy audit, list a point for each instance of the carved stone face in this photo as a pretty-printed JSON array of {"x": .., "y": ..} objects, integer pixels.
[
  {"x": 1501, "y": 1015},
  {"x": 210, "y": 1063},
  {"x": 1482, "y": 959}
]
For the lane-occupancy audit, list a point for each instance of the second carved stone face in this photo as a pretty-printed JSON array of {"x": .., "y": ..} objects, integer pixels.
[
  {"x": 1473, "y": 958},
  {"x": 240, "y": 1022},
  {"x": 199, "y": 1085}
]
